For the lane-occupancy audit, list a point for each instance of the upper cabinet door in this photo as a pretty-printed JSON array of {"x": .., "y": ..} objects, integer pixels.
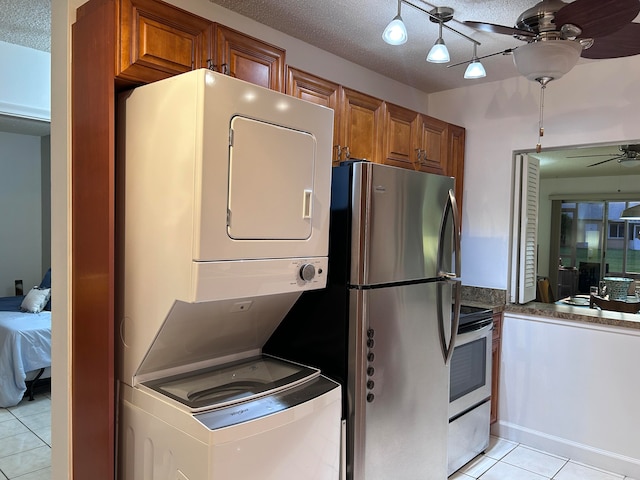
[
  {"x": 361, "y": 126},
  {"x": 248, "y": 58},
  {"x": 316, "y": 90},
  {"x": 158, "y": 40},
  {"x": 399, "y": 144},
  {"x": 433, "y": 145}
]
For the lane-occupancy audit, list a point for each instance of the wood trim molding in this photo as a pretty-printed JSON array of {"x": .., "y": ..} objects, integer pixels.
[{"x": 92, "y": 265}]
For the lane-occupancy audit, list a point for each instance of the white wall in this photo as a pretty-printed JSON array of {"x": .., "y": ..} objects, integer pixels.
[
  {"x": 20, "y": 212},
  {"x": 25, "y": 86},
  {"x": 594, "y": 103},
  {"x": 571, "y": 388}
]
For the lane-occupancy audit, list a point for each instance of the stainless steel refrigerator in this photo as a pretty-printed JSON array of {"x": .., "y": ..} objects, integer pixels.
[{"x": 385, "y": 325}]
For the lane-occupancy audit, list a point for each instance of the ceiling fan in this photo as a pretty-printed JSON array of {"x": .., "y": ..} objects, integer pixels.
[
  {"x": 557, "y": 34},
  {"x": 630, "y": 154},
  {"x": 601, "y": 29}
]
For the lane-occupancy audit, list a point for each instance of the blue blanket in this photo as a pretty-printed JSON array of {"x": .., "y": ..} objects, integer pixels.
[
  {"x": 25, "y": 345},
  {"x": 11, "y": 304}
]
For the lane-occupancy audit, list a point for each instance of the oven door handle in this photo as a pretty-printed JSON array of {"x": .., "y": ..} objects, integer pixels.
[{"x": 473, "y": 335}]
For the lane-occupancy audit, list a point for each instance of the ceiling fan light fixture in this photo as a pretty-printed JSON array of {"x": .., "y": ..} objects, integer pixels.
[
  {"x": 631, "y": 213},
  {"x": 396, "y": 32},
  {"x": 549, "y": 59},
  {"x": 631, "y": 162}
]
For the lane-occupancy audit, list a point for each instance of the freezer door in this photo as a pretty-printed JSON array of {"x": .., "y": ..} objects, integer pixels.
[
  {"x": 398, "y": 218},
  {"x": 400, "y": 383}
]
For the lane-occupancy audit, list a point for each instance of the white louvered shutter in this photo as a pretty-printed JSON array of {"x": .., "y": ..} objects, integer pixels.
[{"x": 525, "y": 229}]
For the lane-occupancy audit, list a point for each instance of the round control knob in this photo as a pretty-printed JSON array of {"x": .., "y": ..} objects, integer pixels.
[
  {"x": 371, "y": 356},
  {"x": 370, "y": 384},
  {"x": 370, "y": 397},
  {"x": 371, "y": 332},
  {"x": 307, "y": 272},
  {"x": 371, "y": 371},
  {"x": 370, "y": 343}
]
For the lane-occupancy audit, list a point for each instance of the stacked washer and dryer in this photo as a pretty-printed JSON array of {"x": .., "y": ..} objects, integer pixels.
[{"x": 225, "y": 196}]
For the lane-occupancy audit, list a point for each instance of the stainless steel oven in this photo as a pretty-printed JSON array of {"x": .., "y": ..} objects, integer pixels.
[{"x": 470, "y": 387}]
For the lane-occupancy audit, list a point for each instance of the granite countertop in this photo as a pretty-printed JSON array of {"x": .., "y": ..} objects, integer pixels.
[
  {"x": 497, "y": 300},
  {"x": 580, "y": 314}
]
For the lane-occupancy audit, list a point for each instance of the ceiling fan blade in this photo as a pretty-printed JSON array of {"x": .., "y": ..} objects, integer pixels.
[
  {"x": 603, "y": 161},
  {"x": 597, "y": 18},
  {"x": 493, "y": 28},
  {"x": 623, "y": 43}
]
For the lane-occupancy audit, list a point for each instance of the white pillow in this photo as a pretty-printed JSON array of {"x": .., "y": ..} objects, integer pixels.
[{"x": 35, "y": 300}]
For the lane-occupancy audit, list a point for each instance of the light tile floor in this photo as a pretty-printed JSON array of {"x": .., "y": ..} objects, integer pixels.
[
  {"x": 25, "y": 440},
  {"x": 506, "y": 460},
  {"x": 25, "y": 453}
]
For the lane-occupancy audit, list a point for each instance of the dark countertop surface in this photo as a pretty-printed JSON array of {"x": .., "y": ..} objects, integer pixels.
[{"x": 497, "y": 300}]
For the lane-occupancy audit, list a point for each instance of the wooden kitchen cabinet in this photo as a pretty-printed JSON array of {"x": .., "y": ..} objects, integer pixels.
[
  {"x": 361, "y": 126},
  {"x": 249, "y": 58},
  {"x": 495, "y": 365},
  {"x": 316, "y": 90},
  {"x": 156, "y": 40},
  {"x": 399, "y": 145},
  {"x": 432, "y": 141}
]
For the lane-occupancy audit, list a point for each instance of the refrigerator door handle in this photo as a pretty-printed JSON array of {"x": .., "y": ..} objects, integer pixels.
[
  {"x": 451, "y": 207},
  {"x": 449, "y": 277}
]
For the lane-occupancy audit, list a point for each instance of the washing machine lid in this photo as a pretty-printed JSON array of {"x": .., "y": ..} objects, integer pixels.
[
  {"x": 230, "y": 383},
  {"x": 196, "y": 335}
]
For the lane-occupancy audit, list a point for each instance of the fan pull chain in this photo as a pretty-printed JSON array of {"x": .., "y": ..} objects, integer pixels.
[{"x": 540, "y": 121}]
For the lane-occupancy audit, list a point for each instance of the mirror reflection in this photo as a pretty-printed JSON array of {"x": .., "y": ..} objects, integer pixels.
[{"x": 582, "y": 235}]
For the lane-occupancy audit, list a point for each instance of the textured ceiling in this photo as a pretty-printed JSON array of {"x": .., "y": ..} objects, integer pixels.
[
  {"x": 353, "y": 30},
  {"x": 26, "y": 23}
]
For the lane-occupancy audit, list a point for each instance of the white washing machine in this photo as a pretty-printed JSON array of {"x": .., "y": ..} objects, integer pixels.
[
  {"x": 225, "y": 192},
  {"x": 255, "y": 418}
]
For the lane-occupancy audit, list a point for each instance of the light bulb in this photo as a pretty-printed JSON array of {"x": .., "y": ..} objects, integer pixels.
[
  {"x": 396, "y": 32},
  {"x": 475, "y": 70},
  {"x": 438, "y": 53}
]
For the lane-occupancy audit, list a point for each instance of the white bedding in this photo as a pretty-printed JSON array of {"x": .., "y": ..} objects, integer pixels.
[{"x": 25, "y": 345}]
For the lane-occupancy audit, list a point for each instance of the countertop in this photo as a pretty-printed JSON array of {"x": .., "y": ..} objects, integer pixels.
[
  {"x": 580, "y": 314},
  {"x": 496, "y": 300}
]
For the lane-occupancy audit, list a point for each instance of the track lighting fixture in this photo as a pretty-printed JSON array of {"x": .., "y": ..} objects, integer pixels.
[
  {"x": 475, "y": 68},
  {"x": 396, "y": 34},
  {"x": 439, "y": 52}
]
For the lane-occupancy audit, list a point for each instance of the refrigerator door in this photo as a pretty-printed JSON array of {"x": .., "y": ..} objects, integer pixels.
[
  {"x": 397, "y": 219},
  {"x": 401, "y": 383}
]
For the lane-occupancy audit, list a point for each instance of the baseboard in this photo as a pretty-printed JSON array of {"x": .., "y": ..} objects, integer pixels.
[{"x": 578, "y": 452}]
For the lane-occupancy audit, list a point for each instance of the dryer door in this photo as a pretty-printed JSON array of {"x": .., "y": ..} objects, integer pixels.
[{"x": 270, "y": 181}]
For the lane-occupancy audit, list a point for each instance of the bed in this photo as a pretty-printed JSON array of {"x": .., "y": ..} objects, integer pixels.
[{"x": 25, "y": 342}]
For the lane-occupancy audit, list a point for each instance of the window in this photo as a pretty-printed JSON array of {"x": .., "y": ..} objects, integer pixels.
[
  {"x": 584, "y": 245},
  {"x": 616, "y": 230}
]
